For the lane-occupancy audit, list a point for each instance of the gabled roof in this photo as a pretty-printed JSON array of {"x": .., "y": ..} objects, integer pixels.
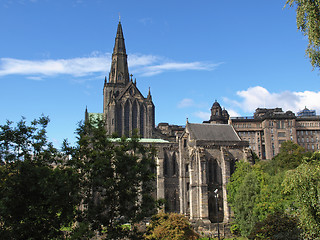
[
  {"x": 127, "y": 88},
  {"x": 212, "y": 132}
]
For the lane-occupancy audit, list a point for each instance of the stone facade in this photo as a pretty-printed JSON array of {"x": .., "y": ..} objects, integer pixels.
[
  {"x": 192, "y": 161},
  {"x": 124, "y": 107},
  {"x": 268, "y": 128}
]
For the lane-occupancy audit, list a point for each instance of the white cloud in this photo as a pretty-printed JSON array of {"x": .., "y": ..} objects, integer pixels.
[
  {"x": 144, "y": 65},
  {"x": 74, "y": 66},
  {"x": 233, "y": 113},
  {"x": 202, "y": 115},
  {"x": 177, "y": 66},
  {"x": 186, "y": 102},
  {"x": 260, "y": 97}
]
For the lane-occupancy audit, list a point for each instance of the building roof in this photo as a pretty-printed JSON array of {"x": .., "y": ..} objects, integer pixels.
[
  {"x": 213, "y": 132},
  {"x": 141, "y": 140}
]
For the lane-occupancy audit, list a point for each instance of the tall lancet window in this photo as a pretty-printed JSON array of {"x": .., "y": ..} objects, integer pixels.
[
  {"x": 127, "y": 118},
  {"x": 134, "y": 115},
  {"x": 142, "y": 119}
]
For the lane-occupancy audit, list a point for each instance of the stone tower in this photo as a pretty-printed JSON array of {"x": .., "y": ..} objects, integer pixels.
[
  {"x": 218, "y": 116},
  {"x": 124, "y": 107}
]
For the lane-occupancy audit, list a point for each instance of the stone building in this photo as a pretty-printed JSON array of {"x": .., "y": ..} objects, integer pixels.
[
  {"x": 267, "y": 129},
  {"x": 124, "y": 107},
  {"x": 192, "y": 161}
]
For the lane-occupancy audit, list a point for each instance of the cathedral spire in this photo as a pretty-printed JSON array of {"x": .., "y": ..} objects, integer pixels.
[{"x": 119, "y": 72}]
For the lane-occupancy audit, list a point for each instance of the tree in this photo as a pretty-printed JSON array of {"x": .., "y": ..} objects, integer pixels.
[
  {"x": 308, "y": 22},
  {"x": 277, "y": 225},
  {"x": 170, "y": 226},
  {"x": 304, "y": 183},
  {"x": 117, "y": 181},
  {"x": 254, "y": 194},
  {"x": 38, "y": 191},
  {"x": 289, "y": 157}
]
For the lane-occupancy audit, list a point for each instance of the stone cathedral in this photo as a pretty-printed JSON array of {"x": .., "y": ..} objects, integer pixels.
[{"x": 192, "y": 161}]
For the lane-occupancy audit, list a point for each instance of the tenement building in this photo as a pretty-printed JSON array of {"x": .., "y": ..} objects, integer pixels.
[
  {"x": 194, "y": 163},
  {"x": 267, "y": 129}
]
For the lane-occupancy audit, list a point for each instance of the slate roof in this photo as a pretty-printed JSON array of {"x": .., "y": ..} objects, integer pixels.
[{"x": 212, "y": 132}]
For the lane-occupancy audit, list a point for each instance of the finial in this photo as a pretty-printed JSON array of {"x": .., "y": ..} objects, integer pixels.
[
  {"x": 131, "y": 77},
  {"x": 187, "y": 121},
  {"x": 105, "y": 80},
  {"x": 149, "y": 91},
  {"x": 119, "y": 18},
  {"x": 135, "y": 81}
]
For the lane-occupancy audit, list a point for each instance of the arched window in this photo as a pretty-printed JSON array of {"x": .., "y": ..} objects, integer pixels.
[
  {"x": 134, "y": 115},
  {"x": 165, "y": 164},
  {"x": 119, "y": 119},
  {"x": 142, "y": 119},
  {"x": 126, "y": 118},
  {"x": 174, "y": 164}
]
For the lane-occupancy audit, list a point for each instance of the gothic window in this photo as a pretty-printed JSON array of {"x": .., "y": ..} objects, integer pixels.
[
  {"x": 126, "y": 118},
  {"x": 165, "y": 164},
  {"x": 120, "y": 77},
  {"x": 134, "y": 115},
  {"x": 142, "y": 119},
  {"x": 174, "y": 164},
  {"x": 119, "y": 120}
]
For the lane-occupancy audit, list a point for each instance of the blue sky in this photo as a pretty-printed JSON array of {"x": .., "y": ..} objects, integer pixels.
[{"x": 54, "y": 55}]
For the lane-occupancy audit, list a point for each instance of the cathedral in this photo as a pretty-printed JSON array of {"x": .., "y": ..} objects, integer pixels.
[{"x": 194, "y": 163}]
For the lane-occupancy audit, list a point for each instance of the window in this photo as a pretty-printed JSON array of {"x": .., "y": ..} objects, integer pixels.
[{"x": 281, "y": 134}]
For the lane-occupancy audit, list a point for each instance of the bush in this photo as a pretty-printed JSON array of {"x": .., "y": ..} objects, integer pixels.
[{"x": 170, "y": 226}]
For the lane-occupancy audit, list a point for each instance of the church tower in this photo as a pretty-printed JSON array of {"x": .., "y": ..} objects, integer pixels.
[{"x": 124, "y": 107}]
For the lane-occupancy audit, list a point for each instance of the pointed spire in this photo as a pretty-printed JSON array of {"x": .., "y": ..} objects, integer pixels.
[
  {"x": 149, "y": 95},
  {"x": 86, "y": 115},
  {"x": 135, "y": 81},
  {"x": 119, "y": 72},
  {"x": 119, "y": 46},
  {"x": 105, "y": 80}
]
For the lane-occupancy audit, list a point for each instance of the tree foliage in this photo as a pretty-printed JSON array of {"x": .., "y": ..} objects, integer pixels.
[
  {"x": 277, "y": 225},
  {"x": 308, "y": 22},
  {"x": 38, "y": 191},
  {"x": 278, "y": 197},
  {"x": 171, "y": 226},
  {"x": 117, "y": 181},
  {"x": 304, "y": 183}
]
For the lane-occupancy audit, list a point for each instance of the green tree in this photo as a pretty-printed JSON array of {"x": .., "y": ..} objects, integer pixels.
[
  {"x": 304, "y": 184},
  {"x": 277, "y": 225},
  {"x": 254, "y": 194},
  {"x": 308, "y": 20},
  {"x": 117, "y": 182},
  {"x": 170, "y": 226},
  {"x": 289, "y": 157},
  {"x": 38, "y": 192}
]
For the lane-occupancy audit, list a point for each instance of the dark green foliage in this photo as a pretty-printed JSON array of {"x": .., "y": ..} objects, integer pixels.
[
  {"x": 304, "y": 184},
  {"x": 117, "y": 181},
  {"x": 289, "y": 184},
  {"x": 276, "y": 226},
  {"x": 38, "y": 192},
  {"x": 308, "y": 20},
  {"x": 170, "y": 226},
  {"x": 289, "y": 157},
  {"x": 245, "y": 201}
]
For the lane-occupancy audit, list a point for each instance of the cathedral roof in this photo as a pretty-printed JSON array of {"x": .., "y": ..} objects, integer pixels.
[{"x": 212, "y": 132}]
